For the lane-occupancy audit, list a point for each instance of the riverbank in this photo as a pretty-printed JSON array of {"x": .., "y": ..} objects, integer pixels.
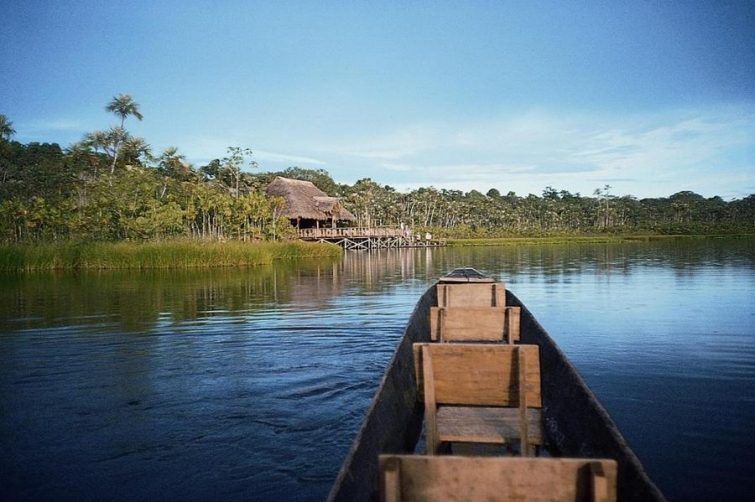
[
  {"x": 155, "y": 255},
  {"x": 591, "y": 239}
]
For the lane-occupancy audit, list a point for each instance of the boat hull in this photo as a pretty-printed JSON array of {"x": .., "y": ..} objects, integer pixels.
[{"x": 575, "y": 423}]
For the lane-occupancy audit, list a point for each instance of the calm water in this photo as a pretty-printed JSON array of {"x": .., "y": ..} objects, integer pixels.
[{"x": 251, "y": 384}]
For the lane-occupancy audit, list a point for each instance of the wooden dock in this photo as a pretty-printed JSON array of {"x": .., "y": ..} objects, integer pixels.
[{"x": 363, "y": 238}]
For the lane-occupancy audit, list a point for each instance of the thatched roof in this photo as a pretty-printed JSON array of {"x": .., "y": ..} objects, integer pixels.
[{"x": 304, "y": 200}]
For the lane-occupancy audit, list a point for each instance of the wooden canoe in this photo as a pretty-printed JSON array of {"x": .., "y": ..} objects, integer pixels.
[{"x": 575, "y": 423}]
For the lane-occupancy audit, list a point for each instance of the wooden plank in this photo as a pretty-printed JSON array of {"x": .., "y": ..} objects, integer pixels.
[
  {"x": 472, "y": 295},
  {"x": 599, "y": 480},
  {"x": 522, "y": 391},
  {"x": 431, "y": 427},
  {"x": 480, "y": 374},
  {"x": 483, "y": 424},
  {"x": 474, "y": 324},
  {"x": 473, "y": 479},
  {"x": 391, "y": 475},
  {"x": 513, "y": 324}
]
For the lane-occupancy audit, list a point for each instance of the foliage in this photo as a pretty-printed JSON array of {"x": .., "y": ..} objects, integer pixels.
[
  {"x": 110, "y": 187},
  {"x": 154, "y": 255},
  {"x": 454, "y": 214}
]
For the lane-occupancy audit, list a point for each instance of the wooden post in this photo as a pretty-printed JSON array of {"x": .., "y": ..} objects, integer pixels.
[
  {"x": 431, "y": 424},
  {"x": 522, "y": 384},
  {"x": 599, "y": 482},
  {"x": 513, "y": 323},
  {"x": 441, "y": 323},
  {"x": 392, "y": 477}
]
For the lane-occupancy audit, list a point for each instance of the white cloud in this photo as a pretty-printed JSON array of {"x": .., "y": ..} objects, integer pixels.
[
  {"x": 202, "y": 149},
  {"x": 285, "y": 158},
  {"x": 399, "y": 144},
  {"x": 58, "y": 130},
  {"x": 650, "y": 154}
]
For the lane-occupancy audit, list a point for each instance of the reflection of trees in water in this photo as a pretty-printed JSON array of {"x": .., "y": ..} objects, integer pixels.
[
  {"x": 139, "y": 301},
  {"x": 555, "y": 261},
  {"x": 382, "y": 268}
]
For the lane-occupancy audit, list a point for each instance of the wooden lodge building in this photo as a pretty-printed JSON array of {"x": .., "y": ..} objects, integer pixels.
[
  {"x": 307, "y": 206},
  {"x": 317, "y": 216}
]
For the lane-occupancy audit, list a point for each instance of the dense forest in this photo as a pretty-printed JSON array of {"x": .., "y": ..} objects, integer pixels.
[{"x": 112, "y": 186}]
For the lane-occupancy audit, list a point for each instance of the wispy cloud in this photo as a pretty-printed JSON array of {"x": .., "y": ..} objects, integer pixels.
[
  {"x": 52, "y": 130},
  {"x": 644, "y": 154},
  {"x": 202, "y": 149},
  {"x": 286, "y": 158}
]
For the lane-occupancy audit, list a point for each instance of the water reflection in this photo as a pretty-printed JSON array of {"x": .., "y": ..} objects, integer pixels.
[
  {"x": 137, "y": 302},
  {"x": 251, "y": 383}
]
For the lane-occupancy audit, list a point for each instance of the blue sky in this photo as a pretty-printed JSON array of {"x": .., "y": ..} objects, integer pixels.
[{"x": 651, "y": 97}]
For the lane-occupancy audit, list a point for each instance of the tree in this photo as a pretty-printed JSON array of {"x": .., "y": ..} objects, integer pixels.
[
  {"x": 171, "y": 163},
  {"x": 233, "y": 164},
  {"x": 6, "y": 128},
  {"x": 122, "y": 106},
  {"x": 135, "y": 151},
  {"x": 604, "y": 211}
]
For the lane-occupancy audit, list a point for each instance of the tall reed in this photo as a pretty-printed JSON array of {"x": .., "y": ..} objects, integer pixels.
[{"x": 155, "y": 255}]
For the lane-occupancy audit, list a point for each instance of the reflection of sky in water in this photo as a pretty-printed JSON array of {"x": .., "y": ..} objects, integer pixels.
[{"x": 253, "y": 382}]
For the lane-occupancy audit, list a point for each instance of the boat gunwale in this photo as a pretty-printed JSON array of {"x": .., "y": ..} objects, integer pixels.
[
  {"x": 633, "y": 481},
  {"x": 410, "y": 335},
  {"x": 630, "y": 467}
]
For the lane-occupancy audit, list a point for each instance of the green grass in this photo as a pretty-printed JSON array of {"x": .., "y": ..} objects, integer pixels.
[
  {"x": 155, "y": 255},
  {"x": 514, "y": 241}
]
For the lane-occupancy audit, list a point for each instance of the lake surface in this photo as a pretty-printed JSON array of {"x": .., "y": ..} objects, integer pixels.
[{"x": 251, "y": 384}]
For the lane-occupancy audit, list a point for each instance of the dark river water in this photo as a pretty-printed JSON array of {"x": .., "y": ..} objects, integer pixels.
[{"x": 251, "y": 384}]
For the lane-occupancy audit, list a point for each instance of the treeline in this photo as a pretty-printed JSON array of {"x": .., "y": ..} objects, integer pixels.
[
  {"x": 110, "y": 186},
  {"x": 452, "y": 213}
]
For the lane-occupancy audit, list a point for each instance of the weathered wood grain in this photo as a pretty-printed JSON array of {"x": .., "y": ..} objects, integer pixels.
[
  {"x": 476, "y": 374},
  {"x": 474, "y": 324},
  {"x": 483, "y": 424},
  {"x": 473, "y": 479},
  {"x": 472, "y": 295}
]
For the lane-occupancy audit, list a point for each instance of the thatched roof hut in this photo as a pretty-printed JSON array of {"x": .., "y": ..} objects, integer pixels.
[{"x": 307, "y": 205}]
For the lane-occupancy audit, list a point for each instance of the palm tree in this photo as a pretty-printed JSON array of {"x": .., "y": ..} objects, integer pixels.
[
  {"x": 122, "y": 105},
  {"x": 6, "y": 127},
  {"x": 136, "y": 150},
  {"x": 172, "y": 164}
]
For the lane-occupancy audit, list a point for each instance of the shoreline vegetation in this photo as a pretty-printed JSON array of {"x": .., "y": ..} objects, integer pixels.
[
  {"x": 22, "y": 258},
  {"x": 175, "y": 255},
  {"x": 589, "y": 239},
  {"x": 111, "y": 188}
]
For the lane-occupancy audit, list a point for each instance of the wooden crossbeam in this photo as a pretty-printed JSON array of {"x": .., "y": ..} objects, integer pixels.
[
  {"x": 411, "y": 478},
  {"x": 488, "y": 294},
  {"x": 470, "y": 324},
  {"x": 480, "y": 393}
]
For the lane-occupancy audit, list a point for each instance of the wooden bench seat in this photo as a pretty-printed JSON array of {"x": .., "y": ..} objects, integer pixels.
[
  {"x": 483, "y": 294},
  {"x": 483, "y": 424},
  {"x": 475, "y": 324},
  {"x": 464, "y": 385},
  {"x": 423, "y": 478}
]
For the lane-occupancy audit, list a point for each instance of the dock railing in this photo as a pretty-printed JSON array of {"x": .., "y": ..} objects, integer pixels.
[{"x": 350, "y": 232}]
